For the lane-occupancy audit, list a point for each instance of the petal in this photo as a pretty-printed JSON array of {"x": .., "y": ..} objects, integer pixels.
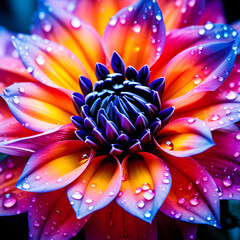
[
  {"x": 115, "y": 223},
  {"x": 145, "y": 185},
  {"x": 10, "y": 128},
  {"x": 13, "y": 201},
  {"x": 54, "y": 166},
  {"x": 131, "y": 31},
  {"x": 26, "y": 146},
  {"x": 179, "y": 14},
  {"x": 222, "y": 163},
  {"x": 217, "y": 109},
  {"x": 185, "y": 137},
  {"x": 69, "y": 31},
  {"x": 169, "y": 228},
  {"x": 52, "y": 217},
  {"x": 199, "y": 68},
  {"x": 193, "y": 197},
  {"x": 37, "y": 106},
  {"x": 49, "y": 62},
  {"x": 6, "y": 47},
  {"x": 189, "y": 37},
  {"x": 96, "y": 187},
  {"x": 216, "y": 16}
]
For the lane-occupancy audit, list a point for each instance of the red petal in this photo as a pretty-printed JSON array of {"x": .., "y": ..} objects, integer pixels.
[
  {"x": 52, "y": 217},
  {"x": 96, "y": 187},
  {"x": 54, "y": 166},
  {"x": 112, "y": 222}
]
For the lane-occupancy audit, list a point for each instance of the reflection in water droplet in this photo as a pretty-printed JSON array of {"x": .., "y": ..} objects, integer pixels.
[
  {"x": 197, "y": 79},
  {"x": 40, "y": 60},
  {"x": 146, "y": 186},
  {"x": 76, "y": 23},
  {"x": 138, "y": 190},
  {"x": 9, "y": 200},
  {"x": 181, "y": 200},
  {"x": 136, "y": 28},
  {"x": 141, "y": 204},
  {"x": 227, "y": 181},
  {"x": 168, "y": 145},
  {"x": 231, "y": 95},
  {"x": 77, "y": 195},
  {"x": 215, "y": 117},
  {"x": 149, "y": 194},
  {"x": 194, "y": 201},
  {"x": 147, "y": 214}
]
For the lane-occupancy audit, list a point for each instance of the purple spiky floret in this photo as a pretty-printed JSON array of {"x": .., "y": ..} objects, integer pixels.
[{"x": 122, "y": 114}]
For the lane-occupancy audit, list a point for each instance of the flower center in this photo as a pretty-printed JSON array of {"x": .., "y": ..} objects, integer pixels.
[{"x": 122, "y": 114}]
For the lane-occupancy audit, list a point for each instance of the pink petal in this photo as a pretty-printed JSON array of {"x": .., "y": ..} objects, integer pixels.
[
  {"x": 222, "y": 163},
  {"x": 37, "y": 106},
  {"x": 189, "y": 37},
  {"x": 145, "y": 185},
  {"x": 52, "y": 217},
  {"x": 216, "y": 16},
  {"x": 54, "y": 166},
  {"x": 179, "y": 14},
  {"x": 49, "y": 62},
  {"x": 96, "y": 187},
  {"x": 69, "y": 31},
  {"x": 112, "y": 222},
  {"x": 170, "y": 228},
  {"x": 199, "y": 68},
  {"x": 185, "y": 137},
  {"x": 13, "y": 201},
  {"x": 26, "y": 146},
  {"x": 132, "y": 31},
  {"x": 193, "y": 197}
]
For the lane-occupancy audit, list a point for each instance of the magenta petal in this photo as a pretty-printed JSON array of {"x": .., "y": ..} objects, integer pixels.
[
  {"x": 26, "y": 146},
  {"x": 222, "y": 162},
  {"x": 52, "y": 217},
  {"x": 112, "y": 222},
  {"x": 131, "y": 33},
  {"x": 193, "y": 196},
  {"x": 13, "y": 201},
  {"x": 96, "y": 187},
  {"x": 54, "y": 166}
]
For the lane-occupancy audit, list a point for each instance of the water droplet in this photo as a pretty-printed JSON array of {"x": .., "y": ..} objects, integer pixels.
[
  {"x": 26, "y": 186},
  {"x": 141, "y": 204},
  {"x": 47, "y": 27},
  {"x": 16, "y": 100},
  {"x": 40, "y": 60},
  {"x": 209, "y": 218},
  {"x": 30, "y": 69},
  {"x": 194, "y": 201},
  {"x": 123, "y": 19},
  {"x": 93, "y": 185},
  {"x": 227, "y": 181},
  {"x": 181, "y": 200},
  {"x": 215, "y": 117},
  {"x": 36, "y": 223},
  {"x": 138, "y": 190},
  {"x": 21, "y": 90},
  {"x": 146, "y": 186},
  {"x": 77, "y": 195},
  {"x": 76, "y": 23},
  {"x": 111, "y": 194},
  {"x": 238, "y": 136},
  {"x": 191, "y": 219},
  {"x": 159, "y": 17},
  {"x": 37, "y": 177},
  {"x": 88, "y": 200},
  {"x": 209, "y": 26},
  {"x": 178, "y": 215},
  {"x": 9, "y": 200},
  {"x": 124, "y": 177},
  {"x": 231, "y": 95},
  {"x": 113, "y": 21},
  {"x": 154, "y": 28},
  {"x": 168, "y": 145},
  {"x": 197, "y": 79},
  {"x": 165, "y": 181},
  {"x": 59, "y": 180},
  {"x": 8, "y": 176},
  {"x": 136, "y": 28},
  {"x": 149, "y": 194},
  {"x": 147, "y": 214},
  {"x": 90, "y": 208},
  {"x": 191, "y": 120},
  {"x": 130, "y": 8},
  {"x": 201, "y": 31}
]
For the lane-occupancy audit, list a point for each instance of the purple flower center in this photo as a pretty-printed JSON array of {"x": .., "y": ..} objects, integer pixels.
[{"x": 122, "y": 114}]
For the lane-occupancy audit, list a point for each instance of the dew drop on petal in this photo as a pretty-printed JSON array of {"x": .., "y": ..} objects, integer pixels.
[
  {"x": 26, "y": 186},
  {"x": 149, "y": 194},
  {"x": 197, "y": 79},
  {"x": 136, "y": 28},
  {"x": 36, "y": 223},
  {"x": 30, "y": 69},
  {"x": 177, "y": 215},
  {"x": 194, "y": 201},
  {"x": 76, "y": 23},
  {"x": 59, "y": 180},
  {"x": 111, "y": 194},
  {"x": 146, "y": 186},
  {"x": 141, "y": 204},
  {"x": 21, "y": 90},
  {"x": 124, "y": 177},
  {"x": 209, "y": 26},
  {"x": 9, "y": 200},
  {"x": 168, "y": 145},
  {"x": 147, "y": 214},
  {"x": 231, "y": 95},
  {"x": 227, "y": 181},
  {"x": 93, "y": 185},
  {"x": 88, "y": 200},
  {"x": 181, "y": 200},
  {"x": 47, "y": 27},
  {"x": 165, "y": 181},
  {"x": 40, "y": 60},
  {"x": 138, "y": 190},
  {"x": 191, "y": 219},
  {"x": 201, "y": 31},
  {"x": 113, "y": 21},
  {"x": 191, "y": 120},
  {"x": 77, "y": 195},
  {"x": 16, "y": 100},
  {"x": 215, "y": 117}
]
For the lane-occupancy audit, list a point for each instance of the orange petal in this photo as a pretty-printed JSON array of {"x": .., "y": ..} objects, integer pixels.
[{"x": 49, "y": 62}]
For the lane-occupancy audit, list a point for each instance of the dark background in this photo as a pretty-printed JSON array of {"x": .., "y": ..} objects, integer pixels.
[{"x": 16, "y": 15}]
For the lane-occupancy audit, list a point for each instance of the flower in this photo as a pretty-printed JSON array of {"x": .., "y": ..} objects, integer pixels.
[{"x": 152, "y": 143}]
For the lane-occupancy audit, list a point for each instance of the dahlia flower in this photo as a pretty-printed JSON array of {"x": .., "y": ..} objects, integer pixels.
[{"x": 124, "y": 121}]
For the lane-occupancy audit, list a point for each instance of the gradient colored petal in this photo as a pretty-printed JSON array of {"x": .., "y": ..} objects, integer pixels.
[
  {"x": 185, "y": 137},
  {"x": 54, "y": 166},
  {"x": 13, "y": 201},
  {"x": 145, "y": 184},
  {"x": 170, "y": 228},
  {"x": 112, "y": 222},
  {"x": 136, "y": 33},
  {"x": 179, "y": 14},
  {"x": 199, "y": 68},
  {"x": 216, "y": 16},
  {"x": 37, "y": 106},
  {"x": 10, "y": 128},
  {"x": 218, "y": 109},
  {"x": 69, "y": 31},
  {"x": 26, "y": 146},
  {"x": 222, "y": 162},
  {"x": 189, "y": 37},
  {"x": 193, "y": 196},
  {"x": 96, "y": 187},
  {"x": 52, "y": 217},
  {"x": 6, "y": 47},
  {"x": 49, "y": 62}
]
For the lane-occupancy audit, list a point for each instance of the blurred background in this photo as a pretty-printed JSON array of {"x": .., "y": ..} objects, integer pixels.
[{"x": 16, "y": 15}]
